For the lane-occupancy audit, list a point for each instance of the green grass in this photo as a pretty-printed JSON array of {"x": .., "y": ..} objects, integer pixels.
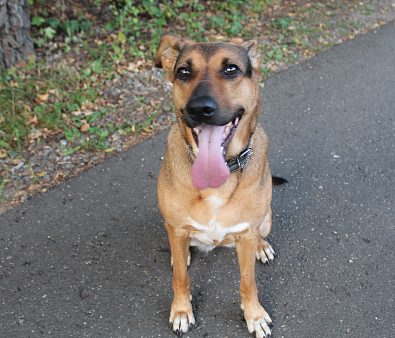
[{"x": 36, "y": 102}]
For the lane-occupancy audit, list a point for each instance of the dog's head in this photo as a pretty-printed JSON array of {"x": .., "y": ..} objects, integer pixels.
[{"x": 216, "y": 95}]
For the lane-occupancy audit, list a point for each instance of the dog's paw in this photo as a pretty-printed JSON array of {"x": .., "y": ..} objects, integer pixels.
[
  {"x": 259, "y": 323},
  {"x": 188, "y": 261},
  {"x": 265, "y": 252},
  {"x": 182, "y": 320}
]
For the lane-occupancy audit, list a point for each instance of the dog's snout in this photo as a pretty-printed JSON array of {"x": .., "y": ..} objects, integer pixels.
[{"x": 201, "y": 108}]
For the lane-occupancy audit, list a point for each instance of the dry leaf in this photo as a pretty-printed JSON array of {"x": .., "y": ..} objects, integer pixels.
[
  {"x": 19, "y": 193},
  {"x": 41, "y": 174},
  {"x": 59, "y": 176},
  {"x": 17, "y": 161},
  {"x": 100, "y": 102},
  {"x": 27, "y": 107},
  {"x": 76, "y": 113},
  {"x": 85, "y": 127},
  {"x": 35, "y": 134},
  {"x": 131, "y": 66},
  {"x": 32, "y": 120},
  {"x": 43, "y": 97}
]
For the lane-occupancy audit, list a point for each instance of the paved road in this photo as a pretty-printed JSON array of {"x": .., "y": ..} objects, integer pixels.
[{"x": 332, "y": 126}]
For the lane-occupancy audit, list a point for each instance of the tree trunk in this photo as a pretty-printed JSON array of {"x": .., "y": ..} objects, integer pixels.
[{"x": 15, "y": 41}]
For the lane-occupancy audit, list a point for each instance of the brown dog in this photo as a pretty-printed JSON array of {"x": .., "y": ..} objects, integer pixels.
[{"x": 212, "y": 191}]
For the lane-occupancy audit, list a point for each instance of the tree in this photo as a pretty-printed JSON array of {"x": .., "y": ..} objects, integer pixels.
[{"x": 15, "y": 41}]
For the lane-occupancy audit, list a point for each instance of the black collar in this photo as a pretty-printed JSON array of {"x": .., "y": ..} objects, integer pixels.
[{"x": 237, "y": 162}]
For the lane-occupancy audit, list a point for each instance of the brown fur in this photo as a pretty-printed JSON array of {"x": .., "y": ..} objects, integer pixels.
[{"x": 246, "y": 195}]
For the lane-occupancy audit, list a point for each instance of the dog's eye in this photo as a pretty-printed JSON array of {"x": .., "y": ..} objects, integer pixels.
[
  {"x": 231, "y": 70},
  {"x": 183, "y": 72}
]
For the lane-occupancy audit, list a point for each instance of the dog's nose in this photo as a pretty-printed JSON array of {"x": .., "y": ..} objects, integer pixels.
[{"x": 201, "y": 108}]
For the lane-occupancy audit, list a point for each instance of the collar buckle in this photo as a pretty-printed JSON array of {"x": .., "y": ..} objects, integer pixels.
[{"x": 240, "y": 161}]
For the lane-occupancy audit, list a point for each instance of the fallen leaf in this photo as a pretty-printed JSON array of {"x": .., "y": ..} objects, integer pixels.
[
  {"x": 17, "y": 161},
  {"x": 32, "y": 120},
  {"x": 27, "y": 107},
  {"x": 85, "y": 127},
  {"x": 109, "y": 150},
  {"x": 34, "y": 187},
  {"x": 19, "y": 193},
  {"x": 131, "y": 66},
  {"x": 76, "y": 113},
  {"x": 44, "y": 97},
  {"x": 35, "y": 134},
  {"x": 41, "y": 174},
  {"x": 87, "y": 106},
  {"x": 59, "y": 176},
  {"x": 53, "y": 91},
  {"x": 101, "y": 102}
]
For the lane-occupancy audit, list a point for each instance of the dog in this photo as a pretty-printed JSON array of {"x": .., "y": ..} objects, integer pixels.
[{"x": 215, "y": 185}]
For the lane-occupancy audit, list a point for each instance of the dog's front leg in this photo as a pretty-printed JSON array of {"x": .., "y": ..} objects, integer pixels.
[
  {"x": 257, "y": 319},
  {"x": 181, "y": 315}
]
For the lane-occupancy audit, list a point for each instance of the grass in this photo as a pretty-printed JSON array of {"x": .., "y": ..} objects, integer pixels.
[{"x": 37, "y": 101}]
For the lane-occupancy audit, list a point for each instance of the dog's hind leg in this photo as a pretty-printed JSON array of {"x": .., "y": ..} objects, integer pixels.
[{"x": 265, "y": 252}]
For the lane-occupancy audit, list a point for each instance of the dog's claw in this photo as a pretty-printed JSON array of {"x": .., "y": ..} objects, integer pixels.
[{"x": 265, "y": 252}]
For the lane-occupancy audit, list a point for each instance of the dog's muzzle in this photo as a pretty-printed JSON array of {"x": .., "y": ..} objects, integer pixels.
[{"x": 203, "y": 110}]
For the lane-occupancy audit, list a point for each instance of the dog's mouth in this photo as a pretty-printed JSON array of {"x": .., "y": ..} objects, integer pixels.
[
  {"x": 227, "y": 134},
  {"x": 209, "y": 169}
]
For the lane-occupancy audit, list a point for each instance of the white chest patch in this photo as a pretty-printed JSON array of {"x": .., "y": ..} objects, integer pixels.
[
  {"x": 215, "y": 202},
  {"x": 214, "y": 233}
]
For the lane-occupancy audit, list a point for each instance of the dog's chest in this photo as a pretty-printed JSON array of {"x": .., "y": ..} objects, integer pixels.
[
  {"x": 213, "y": 230},
  {"x": 214, "y": 233}
]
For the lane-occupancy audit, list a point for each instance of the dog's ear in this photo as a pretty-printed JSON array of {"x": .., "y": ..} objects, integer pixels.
[
  {"x": 252, "y": 50},
  {"x": 169, "y": 48}
]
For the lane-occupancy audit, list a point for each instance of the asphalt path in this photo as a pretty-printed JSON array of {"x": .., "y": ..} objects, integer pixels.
[{"x": 90, "y": 258}]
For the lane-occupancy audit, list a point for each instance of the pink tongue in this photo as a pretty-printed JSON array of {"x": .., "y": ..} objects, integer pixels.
[{"x": 209, "y": 169}]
